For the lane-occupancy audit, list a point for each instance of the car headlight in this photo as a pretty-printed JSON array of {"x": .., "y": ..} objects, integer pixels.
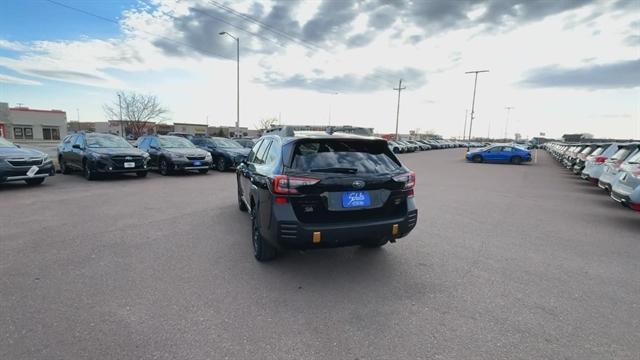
[
  {"x": 45, "y": 158},
  {"x": 208, "y": 157},
  {"x": 97, "y": 156},
  {"x": 176, "y": 156}
]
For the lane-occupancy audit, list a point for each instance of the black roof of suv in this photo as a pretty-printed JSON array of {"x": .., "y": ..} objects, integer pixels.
[{"x": 317, "y": 190}]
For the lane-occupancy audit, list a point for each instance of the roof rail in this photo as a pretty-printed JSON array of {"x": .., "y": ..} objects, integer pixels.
[{"x": 292, "y": 130}]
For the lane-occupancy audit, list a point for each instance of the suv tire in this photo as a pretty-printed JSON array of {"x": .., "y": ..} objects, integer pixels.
[
  {"x": 262, "y": 250},
  {"x": 221, "y": 164},
  {"x": 516, "y": 160},
  {"x": 164, "y": 167},
  {"x": 87, "y": 172},
  {"x": 476, "y": 159},
  {"x": 64, "y": 169}
]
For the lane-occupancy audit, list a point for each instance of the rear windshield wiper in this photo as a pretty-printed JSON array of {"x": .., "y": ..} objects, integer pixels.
[{"x": 341, "y": 170}]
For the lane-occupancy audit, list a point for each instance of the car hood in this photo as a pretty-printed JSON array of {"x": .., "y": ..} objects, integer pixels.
[
  {"x": 18, "y": 152},
  {"x": 234, "y": 152},
  {"x": 187, "y": 151},
  {"x": 117, "y": 151}
]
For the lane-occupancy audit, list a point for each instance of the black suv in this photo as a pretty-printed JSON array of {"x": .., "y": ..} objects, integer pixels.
[
  {"x": 226, "y": 153},
  {"x": 96, "y": 154},
  {"x": 321, "y": 190},
  {"x": 173, "y": 153}
]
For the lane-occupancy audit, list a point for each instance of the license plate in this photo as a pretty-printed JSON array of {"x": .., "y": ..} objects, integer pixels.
[
  {"x": 32, "y": 171},
  {"x": 129, "y": 165},
  {"x": 197, "y": 163},
  {"x": 353, "y": 199}
]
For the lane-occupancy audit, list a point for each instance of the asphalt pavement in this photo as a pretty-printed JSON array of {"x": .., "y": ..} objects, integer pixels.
[{"x": 506, "y": 262}]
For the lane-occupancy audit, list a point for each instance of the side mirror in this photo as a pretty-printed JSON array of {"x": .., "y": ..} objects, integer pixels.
[
  {"x": 18, "y": 146},
  {"x": 76, "y": 146},
  {"x": 154, "y": 147}
]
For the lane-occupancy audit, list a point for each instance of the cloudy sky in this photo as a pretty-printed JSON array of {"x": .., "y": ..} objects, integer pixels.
[{"x": 564, "y": 65}]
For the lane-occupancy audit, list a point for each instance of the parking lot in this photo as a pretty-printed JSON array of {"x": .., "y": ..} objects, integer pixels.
[{"x": 506, "y": 262}]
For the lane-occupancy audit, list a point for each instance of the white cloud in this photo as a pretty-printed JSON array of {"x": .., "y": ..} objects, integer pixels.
[
  {"x": 206, "y": 85},
  {"x": 16, "y": 80}
]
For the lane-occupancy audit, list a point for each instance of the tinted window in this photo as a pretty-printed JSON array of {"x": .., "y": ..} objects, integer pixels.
[
  {"x": 362, "y": 157},
  {"x": 261, "y": 155},
  {"x": 252, "y": 153},
  {"x": 226, "y": 143},
  {"x": 79, "y": 140},
  {"x": 274, "y": 152},
  {"x": 507, "y": 149}
]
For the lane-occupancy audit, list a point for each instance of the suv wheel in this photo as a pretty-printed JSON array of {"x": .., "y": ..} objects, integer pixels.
[
  {"x": 87, "y": 172},
  {"x": 476, "y": 159},
  {"x": 63, "y": 166},
  {"x": 516, "y": 160},
  {"x": 262, "y": 250},
  {"x": 221, "y": 165},
  {"x": 164, "y": 167}
]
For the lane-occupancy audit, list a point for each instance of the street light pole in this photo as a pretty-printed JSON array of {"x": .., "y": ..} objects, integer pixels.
[
  {"x": 237, "y": 39},
  {"x": 464, "y": 132},
  {"x": 506, "y": 125},
  {"x": 473, "y": 101}
]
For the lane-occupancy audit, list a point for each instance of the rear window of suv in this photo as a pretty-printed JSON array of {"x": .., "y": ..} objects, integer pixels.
[
  {"x": 621, "y": 154},
  {"x": 344, "y": 156}
]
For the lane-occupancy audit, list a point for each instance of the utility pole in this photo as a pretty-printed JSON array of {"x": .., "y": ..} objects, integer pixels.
[
  {"x": 506, "y": 125},
  {"x": 399, "y": 88},
  {"x": 473, "y": 101},
  {"x": 237, "y": 39},
  {"x": 464, "y": 132}
]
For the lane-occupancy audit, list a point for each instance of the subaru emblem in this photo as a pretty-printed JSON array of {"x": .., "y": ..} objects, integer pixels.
[{"x": 358, "y": 184}]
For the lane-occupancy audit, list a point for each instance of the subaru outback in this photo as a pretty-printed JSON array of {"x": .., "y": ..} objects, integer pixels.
[{"x": 319, "y": 190}]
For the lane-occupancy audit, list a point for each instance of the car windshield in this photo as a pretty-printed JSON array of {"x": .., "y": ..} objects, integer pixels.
[
  {"x": 598, "y": 151},
  {"x": 175, "y": 142},
  {"x": 344, "y": 156},
  {"x": 5, "y": 143},
  {"x": 586, "y": 150},
  {"x": 621, "y": 154},
  {"x": 106, "y": 141},
  {"x": 226, "y": 144},
  {"x": 635, "y": 159}
]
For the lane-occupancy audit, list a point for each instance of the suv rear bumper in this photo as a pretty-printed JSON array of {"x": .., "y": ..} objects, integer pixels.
[{"x": 288, "y": 232}]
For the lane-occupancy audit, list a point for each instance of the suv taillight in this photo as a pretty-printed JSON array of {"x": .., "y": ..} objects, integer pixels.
[
  {"x": 287, "y": 185},
  {"x": 409, "y": 180},
  {"x": 600, "y": 159}
]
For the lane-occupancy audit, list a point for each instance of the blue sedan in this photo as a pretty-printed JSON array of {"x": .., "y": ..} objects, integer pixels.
[{"x": 499, "y": 154}]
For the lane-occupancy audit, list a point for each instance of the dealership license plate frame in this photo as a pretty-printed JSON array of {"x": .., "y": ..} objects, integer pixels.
[{"x": 356, "y": 199}]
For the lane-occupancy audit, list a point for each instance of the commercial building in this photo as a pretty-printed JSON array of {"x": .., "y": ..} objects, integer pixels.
[
  {"x": 194, "y": 129},
  {"x": 25, "y": 124}
]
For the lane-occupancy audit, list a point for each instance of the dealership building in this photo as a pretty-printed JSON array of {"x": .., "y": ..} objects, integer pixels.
[{"x": 25, "y": 124}]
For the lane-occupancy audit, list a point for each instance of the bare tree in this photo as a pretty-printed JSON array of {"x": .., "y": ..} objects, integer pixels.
[
  {"x": 139, "y": 111},
  {"x": 266, "y": 123}
]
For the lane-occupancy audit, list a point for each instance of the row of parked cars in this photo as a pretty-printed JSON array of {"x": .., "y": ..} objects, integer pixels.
[
  {"x": 95, "y": 155},
  {"x": 405, "y": 146},
  {"x": 614, "y": 167}
]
